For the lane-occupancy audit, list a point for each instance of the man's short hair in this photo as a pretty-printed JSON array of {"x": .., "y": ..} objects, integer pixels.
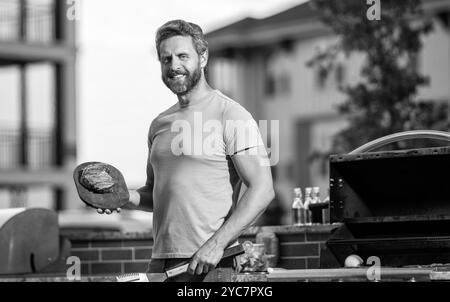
[{"x": 182, "y": 28}]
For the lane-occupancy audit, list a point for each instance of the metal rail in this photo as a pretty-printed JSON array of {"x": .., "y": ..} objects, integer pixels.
[{"x": 400, "y": 136}]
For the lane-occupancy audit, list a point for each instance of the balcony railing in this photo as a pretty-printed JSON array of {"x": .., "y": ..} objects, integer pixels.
[
  {"x": 39, "y": 145},
  {"x": 32, "y": 22},
  {"x": 9, "y": 20}
]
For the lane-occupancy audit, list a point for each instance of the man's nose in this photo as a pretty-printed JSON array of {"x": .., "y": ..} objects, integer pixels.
[{"x": 175, "y": 63}]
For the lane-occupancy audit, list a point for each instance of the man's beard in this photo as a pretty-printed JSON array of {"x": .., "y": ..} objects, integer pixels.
[{"x": 184, "y": 85}]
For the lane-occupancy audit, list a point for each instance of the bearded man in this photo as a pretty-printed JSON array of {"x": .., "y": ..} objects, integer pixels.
[{"x": 200, "y": 150}]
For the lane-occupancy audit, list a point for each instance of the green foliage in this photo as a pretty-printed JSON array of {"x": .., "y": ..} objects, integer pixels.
[{"x": 384, "y": 101}]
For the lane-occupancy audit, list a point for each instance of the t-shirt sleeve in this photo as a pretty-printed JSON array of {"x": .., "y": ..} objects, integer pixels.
[
  {"x": 149, "y": 169},
  {"x": 151, "y": 133},
  {"x": 241, "y": 131}
]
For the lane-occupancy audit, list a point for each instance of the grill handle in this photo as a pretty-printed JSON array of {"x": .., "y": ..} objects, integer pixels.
[{"x": 400, "y": 136}]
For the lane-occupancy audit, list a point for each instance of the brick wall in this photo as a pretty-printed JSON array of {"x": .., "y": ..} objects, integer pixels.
[
  {"x": 112, "y": 256},
  {"x": 114, "y": 253}
]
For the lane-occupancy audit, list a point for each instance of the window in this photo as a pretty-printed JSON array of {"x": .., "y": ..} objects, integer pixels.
[
  {"x": 40, "y": 20},
  {"x": 9, "y": 116},
  {"x": 9, "y": 20},
  {"x": 321, "y": 77},
  {"x": 323, "y": 72},
  {"x": 27, "y": 115},
  {"x": 277, "y": 84},
  {"x": 270, "y": 85},
  {"x": 284, "y": 84},
  {"x": 340, "y": 74},
  {"x": 40, "y": 114},
  {"x": 34, "y": 22}
]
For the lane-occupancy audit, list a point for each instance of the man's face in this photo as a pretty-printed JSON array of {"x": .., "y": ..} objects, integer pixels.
[{"x": 180, "y": 64}]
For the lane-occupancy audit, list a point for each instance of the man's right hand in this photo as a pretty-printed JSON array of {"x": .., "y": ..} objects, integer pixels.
[
  {"x": 108, "y": 211},
  {"x": 133, "y": 203}
]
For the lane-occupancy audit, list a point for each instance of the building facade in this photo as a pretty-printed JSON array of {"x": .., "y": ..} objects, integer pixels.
[
  {"x": 38, "y": 104},
  {"x": 262, "y": 63}
]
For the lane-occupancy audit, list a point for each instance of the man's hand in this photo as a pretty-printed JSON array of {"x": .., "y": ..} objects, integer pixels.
[
  {"x": 108, "y": 211},
  {"x": 205, "y": 259},
  {"x": 132, "y": 203}
]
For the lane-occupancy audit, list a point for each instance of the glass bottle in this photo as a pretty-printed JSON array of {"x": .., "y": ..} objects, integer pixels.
[
  {"x": 308, "y": 201},
  {"x": 297, "y": 206}
]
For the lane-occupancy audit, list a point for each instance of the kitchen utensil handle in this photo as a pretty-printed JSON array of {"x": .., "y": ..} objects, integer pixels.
[
  {"x": 183, "y": 267},
  {"x": 233, "y": 251}
]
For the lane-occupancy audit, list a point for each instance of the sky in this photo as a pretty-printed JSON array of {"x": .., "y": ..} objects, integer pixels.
[{"x": 119, "y": 84}]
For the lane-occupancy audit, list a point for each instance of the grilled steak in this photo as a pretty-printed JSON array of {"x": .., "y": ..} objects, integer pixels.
[{"x": 96, "y": 178}]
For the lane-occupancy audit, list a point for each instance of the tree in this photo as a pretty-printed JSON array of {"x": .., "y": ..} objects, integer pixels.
[{"x": 384, "y": 101}]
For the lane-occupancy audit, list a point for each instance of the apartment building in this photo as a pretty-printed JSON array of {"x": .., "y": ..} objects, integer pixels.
[{"x": 37, "y": 104}]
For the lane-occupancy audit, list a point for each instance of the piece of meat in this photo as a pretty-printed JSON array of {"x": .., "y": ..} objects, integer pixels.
[{"x": 96, "y": 178}]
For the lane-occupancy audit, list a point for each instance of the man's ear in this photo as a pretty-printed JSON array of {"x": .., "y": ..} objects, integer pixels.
[{"x": 204, "y": 59}]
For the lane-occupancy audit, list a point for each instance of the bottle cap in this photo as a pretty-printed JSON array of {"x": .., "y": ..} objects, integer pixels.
[
  {"x": 297, "y": 191},
  {"x": 316, "y": 189},
  {"x": 308, "y": 190}
]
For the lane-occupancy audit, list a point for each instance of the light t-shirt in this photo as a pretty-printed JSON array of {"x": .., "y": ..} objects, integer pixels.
[{"x": 195, "y": 181}]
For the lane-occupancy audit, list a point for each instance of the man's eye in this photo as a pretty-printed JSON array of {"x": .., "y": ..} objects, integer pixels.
[{"x": 183, "y": 57}]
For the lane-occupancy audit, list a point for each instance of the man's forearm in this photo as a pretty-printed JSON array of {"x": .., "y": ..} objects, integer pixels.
[
  {"x": 251, "y": 205},
  {"x": 140, "y": 199}
]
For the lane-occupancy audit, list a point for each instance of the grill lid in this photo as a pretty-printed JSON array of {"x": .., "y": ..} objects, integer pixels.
[{"x": 406, "y": 184}]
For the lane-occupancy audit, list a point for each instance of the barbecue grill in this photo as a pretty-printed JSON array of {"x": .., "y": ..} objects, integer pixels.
[{"x": 394, "y": 205}]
